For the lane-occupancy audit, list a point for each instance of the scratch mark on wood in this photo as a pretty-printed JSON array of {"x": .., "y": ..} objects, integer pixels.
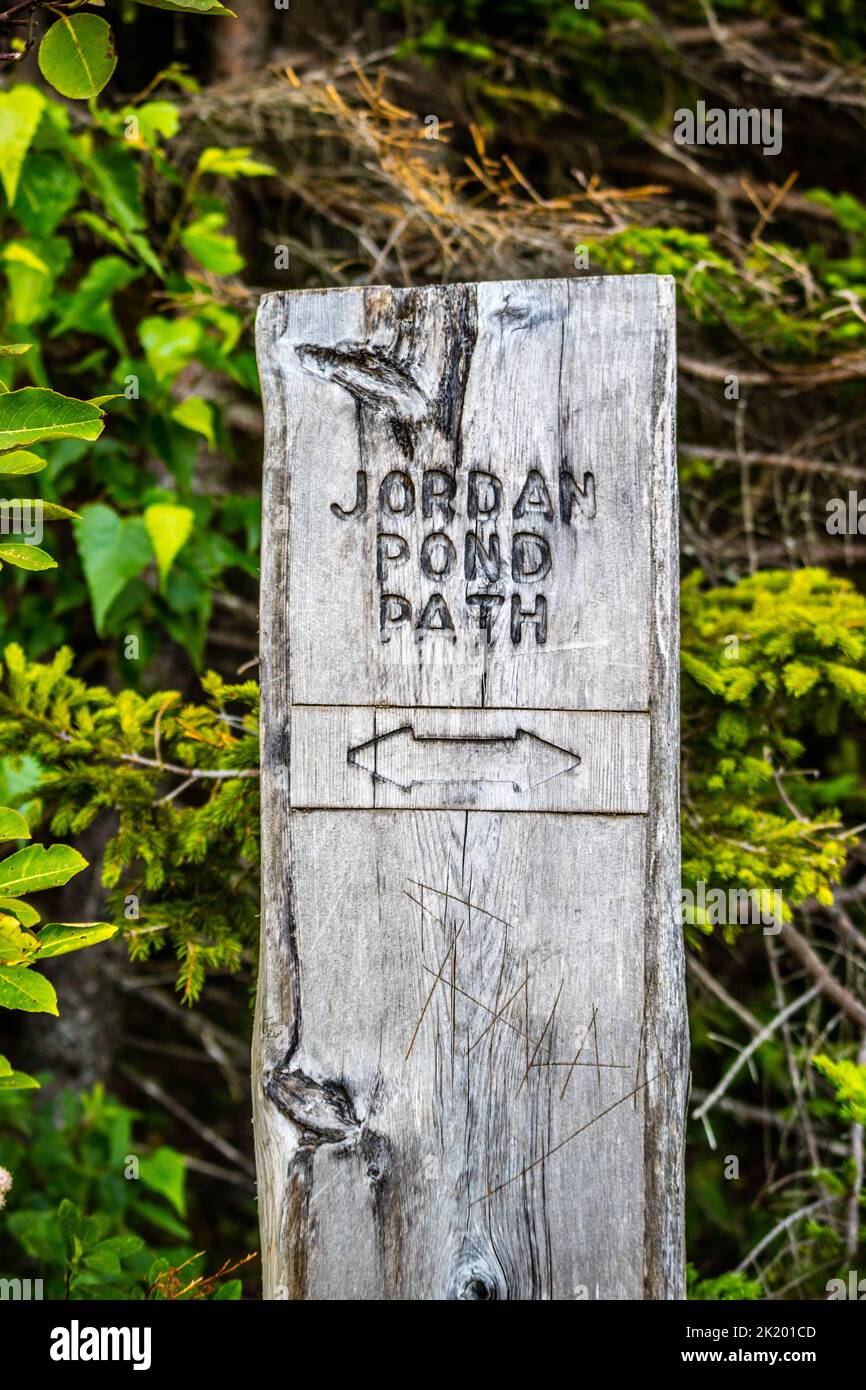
[
  {"x": 492, "y": 1192},
  {"x": 547, "y": 1025}
]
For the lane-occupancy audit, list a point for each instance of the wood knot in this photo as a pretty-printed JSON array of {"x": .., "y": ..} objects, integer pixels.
[
  {"x": 321, "y": 1110},
  {"x": 476, "y": 1282}
]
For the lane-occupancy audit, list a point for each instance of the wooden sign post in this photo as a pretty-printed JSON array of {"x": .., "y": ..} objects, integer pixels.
[{"x": 471, "y": 1043}]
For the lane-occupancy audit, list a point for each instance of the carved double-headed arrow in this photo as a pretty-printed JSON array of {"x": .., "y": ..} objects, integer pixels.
[{"x": 407, "y": 759}]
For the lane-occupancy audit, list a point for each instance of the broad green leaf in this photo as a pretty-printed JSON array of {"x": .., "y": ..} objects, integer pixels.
[
  {"x": 49, "y": 511},
  {"x": 230, "y": 1290},
  {"x": 231, "y": 163},
  {"x": 189, "y": 6},
  {"x": 32, "y": 270},
  {"x": 13, "y": 826},
  {"x": 152, "y": 120},
  {"x": 102, "y": 1262},
  {"x": 178, "y": 75},
  {"x": 169, "y": 528},
  {"x": 47, "y": 189},
  {"x": 164, "y": 1172},
  {"x": 69, "y": 1223},
  {"x": 113, "y": 551},
  {"x": 115, "y": 172},
  {"x": 59, "y": 938},
  {"x": 212, "y": 248},
  {"x": 169, "y": 344},
  {"x": 27, "y": 557},
  {"x": 14, "y": 349},
  {"x": 20, "y": 253},
  {"x": 194, "y": 414},
  {"x": 89, "y": 310},
  {"x": 77, "y": 55},
  {"x": 16, "y": 945},
  {"x": 122, "y": 1246},
  {"x": 18, "y": 1081},
  {"x": 161, "y": 1218},
  {"x": 20, "y": 113},
  {"x": 35, "y": 413},
  {"x": 24, "y": 989},
  {"x": 5, "y": 1066},
  {"x": 101, "y": 228},
  {"x": 36, "y": 867},
  {"x": 26, "y": 914},
  {"x": 19, "y": 461}
]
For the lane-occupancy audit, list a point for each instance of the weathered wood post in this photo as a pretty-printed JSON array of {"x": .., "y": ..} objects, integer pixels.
[{"x": 471, "y": 1052}]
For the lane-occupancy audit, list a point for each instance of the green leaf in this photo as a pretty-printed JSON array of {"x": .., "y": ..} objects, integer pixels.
[
  {"x": 14, "y": 349},
  {"x": 48, "y": 188},
  {"x": 26, "y": 914},
  {"x": 20, "y": 114},
  {"x": 213, "y": 249},
  {"x": 113, "y": 551},
  {"x": 194, "y": 414},
  {"x": 231, "y": 1289},
  {"x": 36, "y": 413},
  {"x": 189, "y": 6},
  {"x": 115, "y": 172},
  {"x": 24, "y": 989},
  {"x": 49, "y": 511},
  {"x": 19, "y": 461},
  {"x": 89, "y": 310},
  {"x": 169, "y": 528},
  {"x": 121, "y": 1246},
  {"x": 13, "y": 826},
  {"x": 27, "y": 557},
  {"x": 17, "y": 946},
  {"x": 154, "y": 119},
  {"x": 59, "y": 938},
  {"x": 32, "y": 269},
  {"x": 18, "y": 1081},
  {"x": 231, "y": 163},
  {"x": 20, "y": 252},
  {"x": 164, "y": 1172},
  {"x": 77, "y": 55},
  {"x": 68, "y": 1223},
  {"x": 169, "y": 344},
  {"x": 101, "y": 228},
  {"x": 161, "y": 1218},
  {"x": 36, "y": 867},
  {"x": 102, "y": 1262}
]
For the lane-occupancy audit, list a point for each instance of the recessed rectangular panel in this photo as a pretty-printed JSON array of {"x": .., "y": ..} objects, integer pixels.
[
  {"x": 471, "y": 483},
  {"x": 492, "y": 760}
]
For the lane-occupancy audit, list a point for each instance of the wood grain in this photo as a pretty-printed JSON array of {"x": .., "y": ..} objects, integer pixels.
[{"x": 470, "y": 1050}]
